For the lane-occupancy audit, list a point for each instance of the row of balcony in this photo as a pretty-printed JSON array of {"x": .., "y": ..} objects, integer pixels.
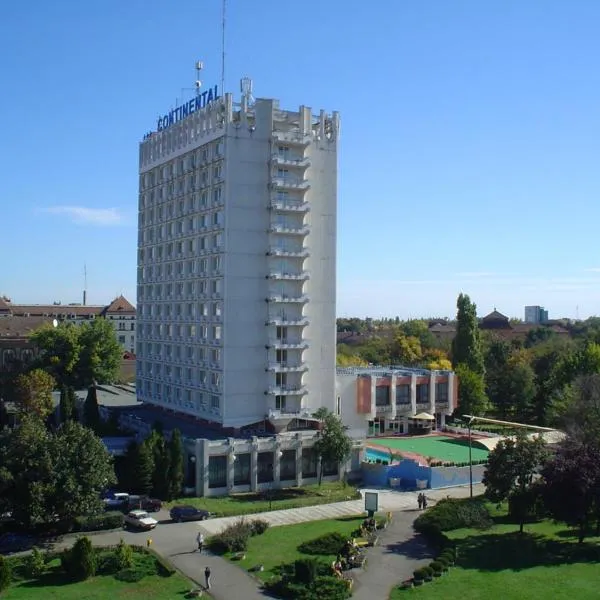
[
  {"x": 284, "y": 298},
  {"x": 215, "y": 366},
  {"x": 279, "y": 275},
  {"x": 280, "y": 160},
  {"x": 388, "y": 408},
  {"x": 288, "y": 253},
  {"x": 288, "y": 205},
  {"x": 287, "y": 367},
  {"x": 287, "y": 321},
  {"x": 287, "y": 344},
  {"x": 289, "y": 183},
  {"x": 289, "y": 228},
  {"x": 287, "y": 390},
  {"x": 292, "y": 138}
]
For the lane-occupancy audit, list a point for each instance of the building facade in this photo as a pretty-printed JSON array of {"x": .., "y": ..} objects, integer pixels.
[
  {"x": 536, "y": 315},
  {"x": 372, "y": 400},
  {"x": 19, "y": 321},
  {"x": 237, "y": 264}
]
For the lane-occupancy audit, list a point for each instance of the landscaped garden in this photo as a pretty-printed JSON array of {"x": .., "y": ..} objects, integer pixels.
[
  {"x": 92, "y": 573},
  {"x": 495, "y": 561},
  {"x": 277, "y": 499}
]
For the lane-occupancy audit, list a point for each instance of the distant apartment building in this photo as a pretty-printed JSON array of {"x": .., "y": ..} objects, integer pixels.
[
  {"x": 377, "y": 400},
  {"x": 19, "y": 321},
  {"x": 536, "y": 315}
]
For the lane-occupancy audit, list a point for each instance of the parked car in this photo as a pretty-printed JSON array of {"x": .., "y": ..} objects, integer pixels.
[
  {"x": 140, "y": 519},
  {"x": 188, "y": 513},
  {"x": 144, "y": 503},
  {"x": 16, "y": 542},
  {"x": 117, "y": 501}
]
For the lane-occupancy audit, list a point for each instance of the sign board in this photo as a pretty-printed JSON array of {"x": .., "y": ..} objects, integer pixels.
[{"x": 371, "y": 502}]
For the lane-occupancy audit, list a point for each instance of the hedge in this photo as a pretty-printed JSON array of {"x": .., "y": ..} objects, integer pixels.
[{"x": 107, "y": 520}]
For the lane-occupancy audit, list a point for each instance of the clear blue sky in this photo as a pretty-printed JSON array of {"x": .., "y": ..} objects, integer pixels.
[{"x": 469, "y": 151}]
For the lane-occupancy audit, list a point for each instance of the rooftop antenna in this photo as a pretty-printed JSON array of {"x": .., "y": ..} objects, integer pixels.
[
  {"x": 223, "y": 21},
  {"x": 198, "y": 82},
  {"x": 246, "y": 89},
  {"x": 84, "y": 284}
]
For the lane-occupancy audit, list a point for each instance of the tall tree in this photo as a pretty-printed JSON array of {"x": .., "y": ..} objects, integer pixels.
[
  {"x": 162, "y": 464},
  {"x": 471, "y": 392},
  {"x": 90, "y": 409},
  {"x": 510, "y": 473},
  {"x": 139, "y": 467},
  {"x": 572, "y": 484},
  {"x": 466, "y": 346},
  {"x": 175, "y": 464},
  {"x": 333, "y": 444},
  {"x": 33, "y": 393},
  {"x": 82, "y": 470}
]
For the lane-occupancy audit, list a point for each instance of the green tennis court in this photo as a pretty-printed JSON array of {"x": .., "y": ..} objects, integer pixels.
[{"x": 440, "y": 447}]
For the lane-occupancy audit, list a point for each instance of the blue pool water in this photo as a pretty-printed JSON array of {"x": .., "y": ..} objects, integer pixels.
[{"x": 373, "y": 454}]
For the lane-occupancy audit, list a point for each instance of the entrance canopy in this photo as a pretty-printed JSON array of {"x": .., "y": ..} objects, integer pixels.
[{"x": 424, "y": 417}]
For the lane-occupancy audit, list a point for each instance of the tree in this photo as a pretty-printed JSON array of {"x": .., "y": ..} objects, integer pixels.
[
  {"x": 471, "y": 392},
  {"x": 175, "y": 464},
  {"x": 90, "y": 409},
  {"x": 333, "y": 444},
  {"x": 437, "y": 360},
  {"x": 82, "y": 470},
  {"x": 68, "y": 405},
  {"x": 26, "y": 471},
  {"x": 162, "y": 461},
  {"x": 519, "y": 391},
  {"x": 79, "y": 355},
  {"x": 33, "y": 393},
  {"x": 139, "y": 467},
  {"x": 510, "y": 472},
  {"x": 101, "y": 353},
  {"x": 406, "y": 350},
  {"x": 466, "y": 346}
]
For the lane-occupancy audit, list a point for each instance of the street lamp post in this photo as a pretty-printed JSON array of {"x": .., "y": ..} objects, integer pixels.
[{"x": 470, "y": 459}]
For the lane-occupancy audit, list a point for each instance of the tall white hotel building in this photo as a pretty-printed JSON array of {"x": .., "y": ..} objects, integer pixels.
[{"x": 237, "y": 263}]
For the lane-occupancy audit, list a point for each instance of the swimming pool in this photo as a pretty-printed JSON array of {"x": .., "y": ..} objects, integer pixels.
[{"x": 372, "y": 454}]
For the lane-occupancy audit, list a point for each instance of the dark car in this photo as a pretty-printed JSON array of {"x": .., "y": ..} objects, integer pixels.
[
  {"x": 188, "y": 513},
  {"x": 15, "y": 542},
  {"x": 143, "y": 503}
]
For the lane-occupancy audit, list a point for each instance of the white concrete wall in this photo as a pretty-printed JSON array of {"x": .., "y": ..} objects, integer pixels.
[{"x": 346, "y": 391}]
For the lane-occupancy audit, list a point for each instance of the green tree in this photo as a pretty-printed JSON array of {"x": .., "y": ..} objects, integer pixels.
[
  {"x": 90, "y": 409},
  {"x": 510, "y": 473},
  {"x": 406, "y": 350},
  {"x": 33, "y": 393},
  {"x": 333, "y": 444},
  {"x": 5, "y": 574},
  {"x": 519, "y": 391},
  {"x": 466, "y": 346},
  {"x": 419, "y": 328},
  {"x": 68, "y": 405},
  {"x": 175, "y": 464},
  {"x": 161, "y": 462},
  {"x": 123, "y": 555},
  {"x": 81, "y": 561},
  {"x": 471, "y": 392},
  {"x": 101, "y": 353},
  {"x": 82, "y": 470},
  {"x": 139, "y": 467},
  {"x": 26, "y": 472}
]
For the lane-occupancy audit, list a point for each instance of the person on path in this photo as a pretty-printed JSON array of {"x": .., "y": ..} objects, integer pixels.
[
  {"x": 207, "y": 577},
  {"x": 424, "y": 501},
  {"x": 420, "y": 500},
  {"x": 200, "y": 540}
]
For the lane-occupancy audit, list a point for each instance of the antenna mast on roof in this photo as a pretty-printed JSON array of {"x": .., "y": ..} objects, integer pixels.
[
  {"x": 223, "y": 21},
  {"x": 84, "y": 284}
]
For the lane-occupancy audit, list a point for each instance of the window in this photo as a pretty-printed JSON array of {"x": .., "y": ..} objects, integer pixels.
[
  {"x": 281, "y": 333},
  {"x": 215, "y": 402},
  {"x": 441, "y": 392},
  {"x": 423, "y": 393},
  {"x": 382, "y": 395},
  {"x": 280, "y": 379},
  {"x": 217, "y": 471},
  {"x": 280, "y": 402},
  {"x": 121, "y": 339},
  {"x": 241, "y": 469},
  {"x": 216, "y": 332},
  {"x": 281, "y": 356},
  {"x": 265, "y": 467},
  {"x": 403, "y": 394}
]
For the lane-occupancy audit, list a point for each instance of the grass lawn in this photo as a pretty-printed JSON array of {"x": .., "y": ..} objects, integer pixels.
[
  {"x": 53, "y": 585},
  {"x": 545, "y": 562},
  {"x": 440, "y": 447},
  {"x": 245, "y": 504},
  {"x": 279, "y": 545}
]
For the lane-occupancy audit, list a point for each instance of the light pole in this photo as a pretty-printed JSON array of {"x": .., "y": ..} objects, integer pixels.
[{"x": 469, "y": 423}]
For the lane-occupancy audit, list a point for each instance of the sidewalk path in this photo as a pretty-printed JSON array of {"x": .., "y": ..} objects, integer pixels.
[{"x": 398, "y": 554}]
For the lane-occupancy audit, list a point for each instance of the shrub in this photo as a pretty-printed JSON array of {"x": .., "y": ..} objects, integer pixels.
[
  {"x": 451, "y": 514},
  {"x": 305, "y": 570},
  {"x": 419, "y": 574},
  {"x": 329, "y": 543},
  {"x": 5, "y": 575},
  {"x": 436, "y": 566},
  {"x": 163, "y": 567},
  {"x": 106, "y": 563},
  {"x": 108, "y": 520},
  {"x": 123, "y": 556},
  {"x": 330, "y": 588},
  {"x": 35, "y": 564},
  {"x": 234, "y": 538},
  {"x": 80, "y": 561},
  {"x": 258, "y": 526}
]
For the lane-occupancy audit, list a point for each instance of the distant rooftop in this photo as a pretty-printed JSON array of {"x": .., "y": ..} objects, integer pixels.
[{"x": 387, "y": 371}]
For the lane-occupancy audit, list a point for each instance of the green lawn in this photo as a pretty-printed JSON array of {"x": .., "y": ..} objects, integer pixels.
[
  {"x": 546, "y": 562},
  {"x": 53, "y": 585},
  {"x": 245, "y": 504},
  {"x": 440, "y": 447},
  {"x": 279, "y": 545}
]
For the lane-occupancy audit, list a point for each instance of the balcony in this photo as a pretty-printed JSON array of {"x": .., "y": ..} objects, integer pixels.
[
  {"x": 287, "y": 321},
  {"x": 286, "y": 252},
  {"x": 289, "y": 229},
  {"x": 289, "y": 183},
  {"x": 289, "y": 205},
  {"x": 383, "y": 408},
  {"x": 301, "y": 162},
  {"x": 302, "y": 413},
  {"x": 287, "y": 390},
  {"x": 287, "y": 367},
  {"x": 292, "y": 138},
  {"x": 283, "y": 298},
  {"x": 278, "y": 275},
  {"x": 287, "y": 344}
]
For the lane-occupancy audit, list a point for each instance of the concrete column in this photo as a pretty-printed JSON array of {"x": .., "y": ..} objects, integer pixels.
[
  {"x": 405, "y": 425},
  {"x": 202, "y": 454},
  {"x": 442, "y": 420},
  {"x": 451, "y": 386},
  {"x": 277, "y": 463},
  {"x": 393, "y": 397},
  {"x": 432, "y": 398},
  {"x": 254, "y": 464},
  {"x": 373, "y": 396},
  {"x": 413, "y": 393},
  {"x": 231, "y": 464},
  {"x": 298, "y": 443}
]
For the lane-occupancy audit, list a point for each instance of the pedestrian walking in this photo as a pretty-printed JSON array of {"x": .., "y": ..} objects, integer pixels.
[
  {"x": 424, "y": 501},
  {"x": 200, "y": 540},
  {"x": 420, "y": 500},
  {"x": 207, "y": 577}
]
